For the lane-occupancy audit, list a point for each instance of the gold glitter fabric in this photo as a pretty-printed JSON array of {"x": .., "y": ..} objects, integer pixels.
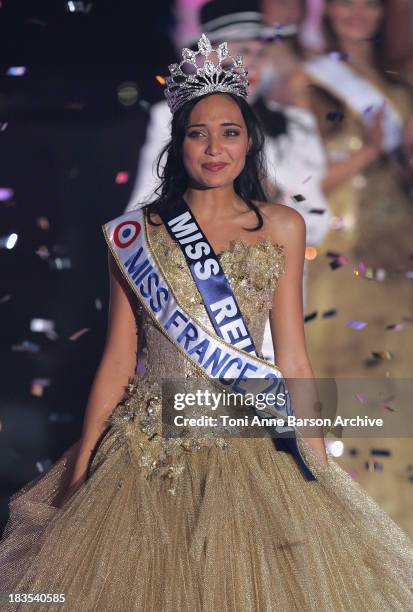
[{"x": 202, "y": 525}]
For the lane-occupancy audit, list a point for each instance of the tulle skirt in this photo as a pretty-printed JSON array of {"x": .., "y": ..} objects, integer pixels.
[{"x": 244, "y": 532}]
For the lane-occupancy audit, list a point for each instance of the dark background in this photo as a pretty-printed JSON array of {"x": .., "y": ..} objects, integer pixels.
[{"x": 64, "y": 136}]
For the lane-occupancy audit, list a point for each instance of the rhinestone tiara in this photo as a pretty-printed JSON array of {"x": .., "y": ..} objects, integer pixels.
[{"x": 226, "y": 74}]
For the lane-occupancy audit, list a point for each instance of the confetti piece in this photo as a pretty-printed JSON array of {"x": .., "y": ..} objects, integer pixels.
[
  {"x": 41, "y": 325},
  {"x": 25, "y": 347},
  {"x": 310, "y": 253},
  {"x": 16, "y": 70},
  {"x": 310, "y": 316},
  {"x": 79, "y": 333},
  {"x": 333, "y": 254},
  {"x": 353, "y": 452},
  {"x": 317, "y": 211},
  {"x": 144, "y": 105},
  {"x": 122, "y": 177},
  {"x": 43, "y": 223},
  {"x": 339, "y": 262},
  {"x": 60, "y": 263},
  {"x": 298, "y": 198},
  {"x": 36, "y": 21},
  {"x": 373, "y": 466},
  {"x": 388, "y": 408},
  {"x": 380, "y": 452},
  {"x": 98, "y": 304},
  {"x": 380, "y": 274},
  {"x": 382, "y": 355},
  {"x": 335, "y": 116},
  {"x": 38, "y": 385},
  {"x": 356, "y": 324},
  {"x": 5, "y": 298},
  {"x": 60, "y": 417},
  {"x": 160, "y": 79},
  {"x": 3, "y": 126},
  {"x": 361, "y": 398},
  {"x": 307, "y": 179},
  {"x": 78, "y": 6},
  {"x": 43, "y": 252},
  {"x": 362, "y": 267},
  {"x": 43, "y": 465},
  {"x": 8, "y": 242},
  {"x": 395, "y": 327},
  {"x": 6, "y": 194},
  {"x": 329, "y": 313},
  {"x": 409, "y": 274}
]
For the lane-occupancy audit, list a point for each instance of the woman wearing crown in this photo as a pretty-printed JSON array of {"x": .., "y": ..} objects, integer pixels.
[{"x": 139, "y": 516}]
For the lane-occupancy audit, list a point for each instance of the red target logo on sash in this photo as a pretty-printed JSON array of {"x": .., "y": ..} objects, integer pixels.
[{"x": 125, "y": 233}]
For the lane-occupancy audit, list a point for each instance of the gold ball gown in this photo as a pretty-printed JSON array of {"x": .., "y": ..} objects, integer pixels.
[{"x": 202, "y": 524}]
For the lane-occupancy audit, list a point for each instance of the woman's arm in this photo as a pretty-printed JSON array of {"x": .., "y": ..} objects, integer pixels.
[
  {"x": 116, "y": 367},
  {"x": 287, "y": 322},
  {"x": 337, "y": 173}
]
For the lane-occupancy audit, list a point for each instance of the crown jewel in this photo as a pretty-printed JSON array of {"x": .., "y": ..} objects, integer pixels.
[{"x": 226, "y": 74}]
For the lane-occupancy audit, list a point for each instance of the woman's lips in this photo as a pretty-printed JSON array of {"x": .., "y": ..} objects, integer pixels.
[{"x": 214, "y": 167}]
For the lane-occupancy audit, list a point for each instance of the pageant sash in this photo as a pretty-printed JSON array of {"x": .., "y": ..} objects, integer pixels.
[
  {"x": 217, "y": 295},
  {"x": 359, "y": 94},
  {"x": 212, "y": 355}
]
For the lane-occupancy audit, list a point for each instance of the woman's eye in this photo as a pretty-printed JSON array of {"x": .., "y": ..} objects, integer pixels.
[
  {"x": 194, "y": 134},
  {"x": 232, "y": 133}
]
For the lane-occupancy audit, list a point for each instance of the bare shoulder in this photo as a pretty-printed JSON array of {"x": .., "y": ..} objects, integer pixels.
[{"x": 282, "y": 223}]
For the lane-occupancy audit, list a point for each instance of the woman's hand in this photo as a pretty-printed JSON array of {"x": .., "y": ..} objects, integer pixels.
[{"x": 375, "y": 136}]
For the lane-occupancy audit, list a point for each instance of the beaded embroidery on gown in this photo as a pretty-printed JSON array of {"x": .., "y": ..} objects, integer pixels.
[{"x": 201, "y": 525}]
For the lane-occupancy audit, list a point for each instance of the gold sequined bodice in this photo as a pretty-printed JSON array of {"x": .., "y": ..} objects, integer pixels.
[{"x": 253, "y": 272}]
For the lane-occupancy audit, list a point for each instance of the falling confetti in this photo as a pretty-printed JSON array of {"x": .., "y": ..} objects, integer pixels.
[
  {"x": 38, "y": 385},
  {"x": 356, "y": 324},
  {"x": 16, "y": 70},
  {"x": 98, "y": 304},
  {"x": 5, "y": 298},
  {"x": 160, "y": 79},
  {"x": 8, "y": 242},
  {"x": 382, "y": 355},
  {"x": 361, "y": 398},
  {"x": 42, "y": 325},
  {"x": 25, "y": 347},
  {"x": 298, "y": 198},
  {"x": 43, "y": 223},
  {"x": 43, "y": 252},
  {"x": 79, "y": 333},
  {"x": 395, "y": 327},
  {"x": 122, "y": 177},
  {"x": 6, "y": 194},
  {"x": 307, "y": 179},
  {"x": 60, "y": 417},
  {"x": 373, "y": 466},
  {"x": 310, "y": 316},
  {"x": 381, "y": 452},
  {"x": 329, "y": 313}
]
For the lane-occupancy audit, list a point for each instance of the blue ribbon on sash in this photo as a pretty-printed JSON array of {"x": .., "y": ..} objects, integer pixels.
[{"x": 217, "y": 296}]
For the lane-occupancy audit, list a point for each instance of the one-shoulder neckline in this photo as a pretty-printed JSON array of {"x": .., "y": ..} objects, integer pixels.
[{"x": 233, "y": 244}]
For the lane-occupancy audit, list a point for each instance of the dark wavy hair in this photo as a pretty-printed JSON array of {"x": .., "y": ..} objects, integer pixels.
[
  {"x": 174, "y": 179},
  {"x": 379, "y": 40}
]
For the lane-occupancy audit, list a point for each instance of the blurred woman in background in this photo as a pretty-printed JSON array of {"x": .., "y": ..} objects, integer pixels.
[{"x": 364, "y": 114}]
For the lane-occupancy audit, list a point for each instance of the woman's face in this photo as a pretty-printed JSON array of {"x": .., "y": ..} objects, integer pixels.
[
  {"x": 355, "y": 20},
  {"x": 216, "y": 142},
  {"x": 285, "y": 12}
]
